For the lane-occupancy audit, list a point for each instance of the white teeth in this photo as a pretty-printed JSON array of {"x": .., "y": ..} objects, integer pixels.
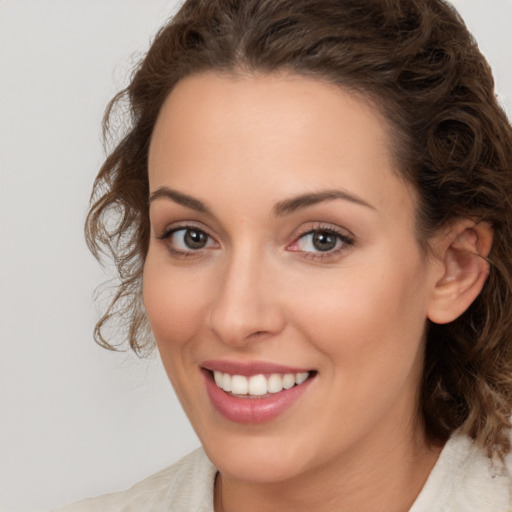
[
  {"x": 226, "y": 382},
  {"x": 218, "y": 378},
  {"x": 301, "y": 377},
  {"x": 288, "y": 381},
  {"x": 258, "y": 385},
  {"x": 275, "y": 383},
  {"x": 239, "y": 385}
]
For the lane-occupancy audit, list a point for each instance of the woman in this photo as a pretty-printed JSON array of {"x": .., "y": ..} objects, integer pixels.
[{"x": 313, "y": 217}]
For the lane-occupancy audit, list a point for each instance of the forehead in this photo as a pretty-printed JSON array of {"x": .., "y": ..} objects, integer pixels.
[
  {"x": 260, "y": 130},
  {"x": 210, "y": 104}
]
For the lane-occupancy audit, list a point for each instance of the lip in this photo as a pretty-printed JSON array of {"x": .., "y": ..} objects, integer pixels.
[
  {"x": 249, "y": 368},
  {"x": 252, "y": 410}
]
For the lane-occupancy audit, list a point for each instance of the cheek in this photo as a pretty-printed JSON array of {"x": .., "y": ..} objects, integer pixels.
[
  {"x": 173, "y": 305},
  {"x": 371, "y": 334},
  {"x": 370, "y": 321}
]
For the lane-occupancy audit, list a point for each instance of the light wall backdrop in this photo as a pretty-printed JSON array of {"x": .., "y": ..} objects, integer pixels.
[{"x": 76, "y": 420}]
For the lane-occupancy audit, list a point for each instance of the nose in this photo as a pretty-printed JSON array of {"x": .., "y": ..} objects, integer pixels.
[{"x": 246, "y": 306}]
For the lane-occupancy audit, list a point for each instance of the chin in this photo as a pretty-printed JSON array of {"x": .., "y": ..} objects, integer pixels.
[
  {"x": 263, "y": 469},
  {"x": 258, "y": 459}
]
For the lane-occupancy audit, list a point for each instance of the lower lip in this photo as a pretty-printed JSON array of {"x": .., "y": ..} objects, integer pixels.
[{"x": 252, "y": 410}]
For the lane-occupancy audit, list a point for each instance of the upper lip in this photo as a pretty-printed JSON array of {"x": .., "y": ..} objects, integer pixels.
[{"x": 248, "y": 368}]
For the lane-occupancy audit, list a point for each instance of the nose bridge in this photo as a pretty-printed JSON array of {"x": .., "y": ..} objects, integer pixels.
[{"x": 246, "y": 302}]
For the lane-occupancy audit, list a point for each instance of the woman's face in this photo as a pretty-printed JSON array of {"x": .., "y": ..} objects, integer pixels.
[{"x": 282, "y": 249}]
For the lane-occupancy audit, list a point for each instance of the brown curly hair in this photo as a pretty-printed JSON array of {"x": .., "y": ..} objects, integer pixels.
[{"x": 417, "y": 61}]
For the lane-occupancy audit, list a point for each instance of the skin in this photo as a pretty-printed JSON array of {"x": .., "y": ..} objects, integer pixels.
[{"x": 259, "y": 290}]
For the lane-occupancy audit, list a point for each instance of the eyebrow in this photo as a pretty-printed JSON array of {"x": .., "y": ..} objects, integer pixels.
[
  {"x": 281, "y": 208},
  {"x": 304, "y": 200},
  {"x": 180, "y": 198}
]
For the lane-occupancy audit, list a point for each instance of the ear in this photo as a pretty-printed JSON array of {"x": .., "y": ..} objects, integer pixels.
[{"x": 461, "y": 251}]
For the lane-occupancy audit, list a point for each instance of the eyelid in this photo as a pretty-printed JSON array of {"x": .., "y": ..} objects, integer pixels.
[
  {"x": 343, "y": 234},
  {"x": 185, "y": 224},
  {"x": 170, "y": 230},
  {"x": 311, "y": 227}
]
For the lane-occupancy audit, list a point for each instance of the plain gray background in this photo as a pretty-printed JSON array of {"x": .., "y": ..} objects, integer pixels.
[{"x": 76, "y": 420}]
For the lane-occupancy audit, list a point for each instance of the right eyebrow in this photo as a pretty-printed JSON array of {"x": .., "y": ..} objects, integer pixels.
[{"x": 179, "y": 198}]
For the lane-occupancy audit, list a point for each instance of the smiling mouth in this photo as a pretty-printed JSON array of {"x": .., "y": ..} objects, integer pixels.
[
  {"x": 256, "y": 392},
  {"x": 260, "y": 385}
]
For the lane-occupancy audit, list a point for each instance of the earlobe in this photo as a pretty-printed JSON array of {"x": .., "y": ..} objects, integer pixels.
[{"x": 463, "y": 250}]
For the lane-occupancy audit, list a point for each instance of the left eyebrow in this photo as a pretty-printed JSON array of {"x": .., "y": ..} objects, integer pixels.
[{"x": 304, "y": 200}]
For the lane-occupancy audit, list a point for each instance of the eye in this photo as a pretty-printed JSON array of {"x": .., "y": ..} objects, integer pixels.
[
  {"x": 321, "y": 242},
  {"x": 187, "y": 240}
]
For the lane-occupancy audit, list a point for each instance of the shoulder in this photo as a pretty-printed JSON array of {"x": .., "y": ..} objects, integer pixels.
[
  {"x": 466, "y": 480},
  {"x": 184, "y": 486}
]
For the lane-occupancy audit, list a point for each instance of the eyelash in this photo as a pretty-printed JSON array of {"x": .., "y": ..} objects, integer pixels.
[
  {"x": 345, "y": 241},
  {"x": 166, "y": 236}
]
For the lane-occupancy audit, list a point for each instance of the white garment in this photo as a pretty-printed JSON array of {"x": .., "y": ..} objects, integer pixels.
[
  {"x": 463, "y": 480},
  {"x": 186, "y": 486}
]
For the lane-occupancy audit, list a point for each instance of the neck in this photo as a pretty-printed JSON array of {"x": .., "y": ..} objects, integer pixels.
[{"x": 379, "y": 475}]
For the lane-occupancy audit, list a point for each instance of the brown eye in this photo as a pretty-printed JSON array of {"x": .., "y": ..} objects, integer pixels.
[
  {"x": 187, "y": 240},
  {"x": 195, "y": 239},
  {"x": 324, "y": 241}
]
